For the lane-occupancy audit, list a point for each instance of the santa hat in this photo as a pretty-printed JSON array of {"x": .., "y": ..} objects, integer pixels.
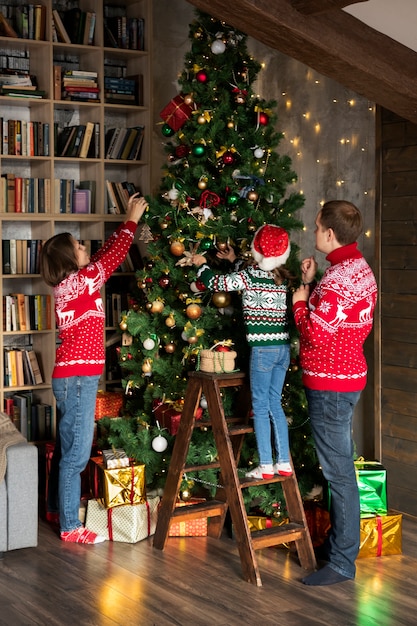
[{"x": 270, "y": 247}]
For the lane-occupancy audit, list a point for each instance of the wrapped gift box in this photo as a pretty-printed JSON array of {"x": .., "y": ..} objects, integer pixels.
[
  {"x": 129, "y": 523},
  {"x": 176, "y": 113},
  {"x": 108, "y": 403},
  {"x": 260, "y": 522},
  {"x": 381, "y": 535},
  {"x": 372, "y": 484},
  {"x": 189, "y": 528},
  {"x": 168, "y": 417},
  {"x": 318, "y": 521},
  {"x": 115, "y": 487}
]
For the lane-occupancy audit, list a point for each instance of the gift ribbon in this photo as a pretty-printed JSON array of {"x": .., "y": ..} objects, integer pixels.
[
  {"x": 110, "y": 520},
  {"x": 379, "y": 531}
]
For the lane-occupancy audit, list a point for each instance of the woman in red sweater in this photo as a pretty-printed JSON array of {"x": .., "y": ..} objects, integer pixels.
[
  {"x": 334, "y": 318},
  {"x": 80, "y": 357}
]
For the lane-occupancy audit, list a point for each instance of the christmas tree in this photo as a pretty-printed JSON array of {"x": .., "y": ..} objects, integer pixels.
[{"x": 223, "y": 179}]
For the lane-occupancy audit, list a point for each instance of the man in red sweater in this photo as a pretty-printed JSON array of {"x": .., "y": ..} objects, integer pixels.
[{"x": 333, "y": 318}]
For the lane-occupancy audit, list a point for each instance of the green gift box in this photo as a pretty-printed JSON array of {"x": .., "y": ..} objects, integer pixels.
[{"x": 372, "y": 484}]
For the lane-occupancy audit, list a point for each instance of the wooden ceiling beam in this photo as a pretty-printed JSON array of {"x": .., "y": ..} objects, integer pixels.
[
  {"x": 333, "y": 43},
  {"x": 309, "y": 7}
]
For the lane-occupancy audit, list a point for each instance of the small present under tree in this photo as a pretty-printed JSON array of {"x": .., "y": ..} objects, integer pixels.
[{"x": 223, "y": 179}]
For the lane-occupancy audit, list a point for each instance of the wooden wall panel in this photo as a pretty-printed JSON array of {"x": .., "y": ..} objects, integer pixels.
[{"x": 398, "y": 309}]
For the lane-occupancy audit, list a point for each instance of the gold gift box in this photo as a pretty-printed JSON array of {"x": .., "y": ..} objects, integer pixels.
[
  {"x": 380, "y": 536},
  {"x": 114, "y": 487}
]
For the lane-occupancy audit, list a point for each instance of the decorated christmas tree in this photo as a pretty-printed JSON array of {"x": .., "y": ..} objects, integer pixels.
[{"x": 223, "y": 179}]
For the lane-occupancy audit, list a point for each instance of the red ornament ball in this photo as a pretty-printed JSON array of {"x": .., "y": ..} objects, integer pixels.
[
  {"x": 164, "y": 282},
  {"x": 228, "y": 158},
  {"x": 263, "y": 119},
  {"x": 201, "y": 76},
  {"x": 182, "y": 151}
]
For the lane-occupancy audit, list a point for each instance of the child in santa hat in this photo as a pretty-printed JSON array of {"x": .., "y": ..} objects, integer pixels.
[{"x": 264, "y": 287}]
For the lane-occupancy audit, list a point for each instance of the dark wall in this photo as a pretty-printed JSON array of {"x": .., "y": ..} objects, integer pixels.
[{"x": 398, "y": 306}]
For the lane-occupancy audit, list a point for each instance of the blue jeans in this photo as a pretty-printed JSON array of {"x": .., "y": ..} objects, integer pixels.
[
  {"x": 331, "y": 415},
  {"x": 76, "y": 400},
  {"x": 268, "y": 368}
]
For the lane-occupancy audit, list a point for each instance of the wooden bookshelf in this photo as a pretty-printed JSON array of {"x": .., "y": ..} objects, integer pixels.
[{"x": 38, "y": 177}]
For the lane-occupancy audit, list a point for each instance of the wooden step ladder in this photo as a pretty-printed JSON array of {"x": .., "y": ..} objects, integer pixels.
[{"x": 228, "y": 435}]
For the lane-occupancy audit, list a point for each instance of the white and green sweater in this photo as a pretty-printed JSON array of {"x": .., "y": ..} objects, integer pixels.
[{"x": 264, "y": 303}]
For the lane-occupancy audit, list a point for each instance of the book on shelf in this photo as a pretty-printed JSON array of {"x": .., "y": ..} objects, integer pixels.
[
  {"x": 34, "y": 367},
  {"x": 91, "y": 186},
  {"x": 6, "y": 29},
  {"x": 81, "y": 201},
  {"x": 61, "y": 31},
  {"x": 57, "y": 82},
  {"x": 86, "y": 140}
]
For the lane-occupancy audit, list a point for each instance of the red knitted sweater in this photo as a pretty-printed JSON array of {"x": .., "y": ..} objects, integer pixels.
[
  {"x": 79, "y": 308},
  {"x": 335, "y": 322}
]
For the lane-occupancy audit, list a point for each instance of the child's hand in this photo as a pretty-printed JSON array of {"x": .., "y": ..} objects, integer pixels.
[
  {"x": 228, "y": 255},
  {"x": 198, "y": 259},
  {"x": 136, "y": 207}
]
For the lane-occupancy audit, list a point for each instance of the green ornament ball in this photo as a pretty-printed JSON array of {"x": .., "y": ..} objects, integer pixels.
[
  {"x": 167, "y": 131},
  {"x": 232, "y": 199},
  {"x": 199, "y": 150},
  {"x": 205, "y": 244}
]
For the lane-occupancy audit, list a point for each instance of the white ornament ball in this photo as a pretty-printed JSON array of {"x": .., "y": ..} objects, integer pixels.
[
  {"x": 194, "y": 287},
  {"x": 203, "y": 402},
  {"x": 159, "y": 444},
  {"x": 258, "y": 153},
  {"x": 184, "y": 336},
  {"x": 149, "y": 344},
  {"x": 218, "y": 46}
]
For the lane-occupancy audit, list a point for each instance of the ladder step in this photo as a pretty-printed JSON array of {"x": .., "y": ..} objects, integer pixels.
[
  {"x": 277, "y": 535},
  {"x": 251, "y": 482},
  {"x": 211, "y": 508}
]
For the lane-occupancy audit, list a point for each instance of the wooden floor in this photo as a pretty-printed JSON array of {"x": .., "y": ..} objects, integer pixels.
[{"x": 196, "y": 582}]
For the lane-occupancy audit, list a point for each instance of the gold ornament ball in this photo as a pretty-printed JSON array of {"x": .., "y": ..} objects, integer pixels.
[
  {"x": 147, "y": 366},
  {"x": 201, "y": 119},
  {"x": 230, "y": 124},
  {"x": 157, "y": 306},
  {"x": 123, "y": 325},
  {"x": 253, "y": 196},
  {"x": 252, "y": 228},
  {"x": 202, "y": 184},
  {"x": 177, "y": 248},
  {"x": 163, "y": 225},
  {"x": 193, "y": 339},
  {"x": 188, "y": 99},
  {"x": 222, "y": 246},
  {"x": 148, "y": 306},
  {"x": 170, "y": 321},
  {"x": 194, "y": 311},
  {"x": 221, "y": 299},
  {"x": 170, "y": 348},
  {"x": 141, "y": 284}
]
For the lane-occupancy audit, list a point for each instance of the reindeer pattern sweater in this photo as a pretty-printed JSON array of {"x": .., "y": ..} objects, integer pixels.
[
  {"x": 264, "y": 303},
  {"x": 79, "y": 308},
  {"x": 335, "y": 322}
]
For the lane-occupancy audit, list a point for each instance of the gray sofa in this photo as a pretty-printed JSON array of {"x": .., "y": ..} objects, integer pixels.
[{"x": 19, "y": 498}]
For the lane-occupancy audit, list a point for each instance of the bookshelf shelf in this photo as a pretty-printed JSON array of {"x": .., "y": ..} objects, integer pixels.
[{"x": 38, "y": 163}]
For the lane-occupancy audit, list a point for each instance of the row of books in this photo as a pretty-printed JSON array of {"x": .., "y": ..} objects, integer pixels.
[
  {"x": 68, "y": 198},
  {"x": 26, "y": 312},
  {"x": 21, "y": 256},
  {"x": 26, "y": 21},
  {"x": 118, "y": 194},
  {"x": 124, "y": 143},
  {"x": 74, "y": 26},
  {"x": 123, "y": 90},
  {"x": 24, "y": 195},
  {"x": 21, "y": 367},
  {"x": 31, "y": 417},
  {"x": 79, "y": 86},
  {"x": 20, "y": 83},
  {"x": 77, "y": 141},
  {"x": 23, "y": 137},
  {"x": 124, "y": 32}
]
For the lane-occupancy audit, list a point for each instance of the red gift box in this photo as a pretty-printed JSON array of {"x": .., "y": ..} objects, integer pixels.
[
  {"x": 108, "y": 404},
  {"x": 189, "y": 528},
  {"x": 318, "y": 521},
  {"x": 168, "y": 417},
  {"x": 176, "y": 113}
]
